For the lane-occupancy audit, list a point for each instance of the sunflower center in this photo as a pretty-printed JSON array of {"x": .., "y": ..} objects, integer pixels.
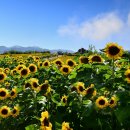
[
  {"x": 70, "y": 63},
  {"x": 32, "y": 68},
  {"x": 1, "y": 76},
  {"x": 58, "y": 63},
  {"x": 64, "y": 100},
  {"x": 46, "y": 122},
  {"x": 12, "y": 93},
  {"x": 128, "y": 75},
  {"x": 65, "y": 69},
  {"x": 35, "y": 85},
  {"x": 81, "y": 89},
  {"x": 114, "y": 50},
  {"x": 14, "y": 71},
  {"x": 90, "y": 90},
  {"x": 84, "y": 60},
  {"x": 101, "y": 102},
  {"x": 112, "y": 101},
  {"x": 27, "y": 85},
  {"x": 46, "y": 64},
  {"x": 4, "y": 111},
  {"x": 44, "y": 86},
  {"x": 96, "y": 59},
  {"x": 24, "y": 72},
  {"x": 14, "y": 111},
  {"x": 2, "y": 93}
]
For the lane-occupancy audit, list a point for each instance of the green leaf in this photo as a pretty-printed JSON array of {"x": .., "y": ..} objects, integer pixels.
[{"x": 31, "y": 127}]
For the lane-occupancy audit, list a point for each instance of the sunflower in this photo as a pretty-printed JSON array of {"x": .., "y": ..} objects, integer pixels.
[
  {"x": 95, "y": 58},
  {"x": 46, "y": 63},
  {"x": 3, "y": 93},
  {"x": 32, "y": 68},
  {"x": 83, "y": 59},
  {"x": 27, "y": 85},
  {"x": 127, "y": 74},
  {"x": 101, "y": 102},
  {"x": 45, "y": 124},
  {"x": 90, "y": 91},
  {"x": 113, "y": 102},
  {"x": 7, "y": 70},
  {"x": 70, "y": 62},
  {"x": 13, "y": 93},
  {"x": 39, "y": 64},
  {"x": 58, "y": 62},
  {"x": 24, "y": 72},
  {"x": 15, "y": 111},
  {"x": 65, "y": 69},
  {"x": 4, "y": 111},
  {"x": 13, "y": 72},
  {"x": 19, "y": 67},
  {"x": 64, "y": 99},
  {"x": 2, "y": 76},
  {"x": 80, "y": 87},
  {"x": 65, "y": 126},
  {"x": 44, "y": 86},
  {"x": 113, "y": 50},
  {"x": 34, "y": 84}
]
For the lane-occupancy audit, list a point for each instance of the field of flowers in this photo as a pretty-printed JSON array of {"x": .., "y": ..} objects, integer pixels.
[{"x": 85, "y": 92}]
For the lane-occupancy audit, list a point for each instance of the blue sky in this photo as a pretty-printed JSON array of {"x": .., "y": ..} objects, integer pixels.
[{"x": 64, "y": 24}]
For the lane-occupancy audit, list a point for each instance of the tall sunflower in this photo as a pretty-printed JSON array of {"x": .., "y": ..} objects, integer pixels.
[
  {"x": 65, "y": 69},
  {"x": 113, "y": 102},
  {"x": 2, "y": 76},
  {"x": 127, "y": 74},
  {"x": 64, "y": 99},
  {"x": 34, "y": 84},
  {"x": 80, "y": 87},
  {"x": 24, "y": 72},
  {"x": 45, "y": 123},
  {"x": 83, "y": 60},
  {"x": 70, "y": 62},
  {"x": 13, "y": 93},
  {"x": 3, "y": 93},
  {"x": 15, "y": 111},
  {"x": 58, "y": 62},
  {"x": 32, "y": 68},
  {"x": 113, "y": 50},
  {"x": 4, "y": 111},
  {"x": 101, "y": 102},
  {"x": 95, "y": 58},
  {"x": 46, "y": 63}
]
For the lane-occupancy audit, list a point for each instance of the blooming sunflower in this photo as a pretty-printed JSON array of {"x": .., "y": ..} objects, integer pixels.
[
  {"x": 83, "y": 60},
  {"x": 32, "y": 68},
  {"x": 7, "y": 70},
  {"x": 80, "y": 87},
  {"x": 2, "y": 76},
  {"x": 4, "y": 111},
  {"x": 113, "y": 50},
  {"x": 13, "y": 93},
  {"x": 15, "y": 111},
  {"x": 64, "y": 99},
  {"x": 95, "y": 58},
  {"x": 45, "y": 123},
  {"x": 70, "y": 62},
  {"x": 90, "y": 91},
  {"x": 44, "y": 86},
  {"x": 19, "y": 67},
  {"x": 58, "y": 62},
  {"x": 46, "y": 63},
  {"x": 127, "y": 74},
  {"x": 65, "y": 69},
  {"x": 14, "y": 72},
  {"x": 24, "y": 72},
  {"x": 3, "y": 93},
  {"x": 65, "y": 126},
  {"x": 101, "y": 102},
  {"x": 113, "y": 102},
  {"x": 34, "y": 84},
  {"x": 39, "y": 64}
]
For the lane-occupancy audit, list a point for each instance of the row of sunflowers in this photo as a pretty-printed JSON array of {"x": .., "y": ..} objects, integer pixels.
[{"x": 87, "y": 92}]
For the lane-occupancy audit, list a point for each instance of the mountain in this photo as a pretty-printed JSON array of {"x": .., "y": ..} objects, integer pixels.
[{"x": 32, "y": 48}]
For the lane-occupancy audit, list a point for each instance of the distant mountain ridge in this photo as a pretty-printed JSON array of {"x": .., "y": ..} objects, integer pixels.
[{"x": 30, "y": 48}]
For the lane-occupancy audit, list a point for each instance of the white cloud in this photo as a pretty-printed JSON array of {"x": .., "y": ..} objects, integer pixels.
[{"x": 97, "y": 28}]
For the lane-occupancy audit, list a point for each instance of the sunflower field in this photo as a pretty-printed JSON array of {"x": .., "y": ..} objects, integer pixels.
[{"x": 86, "y": 92}]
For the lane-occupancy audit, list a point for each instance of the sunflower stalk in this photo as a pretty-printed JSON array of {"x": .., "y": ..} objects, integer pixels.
[{"x": 113, "y": 70}]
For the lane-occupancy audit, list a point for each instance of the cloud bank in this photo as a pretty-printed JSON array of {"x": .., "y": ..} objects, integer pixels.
[{"x": 99, "y": 27}]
